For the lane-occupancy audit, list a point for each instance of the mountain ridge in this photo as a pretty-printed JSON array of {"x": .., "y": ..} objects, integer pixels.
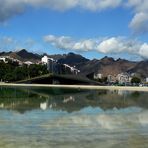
[{"x": 106, "y": 65}]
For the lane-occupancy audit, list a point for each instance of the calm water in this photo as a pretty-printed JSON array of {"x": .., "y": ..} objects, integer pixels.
[{"x": 58, "y": 118}]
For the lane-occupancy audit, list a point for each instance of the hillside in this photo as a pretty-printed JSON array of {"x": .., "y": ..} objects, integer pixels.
[
  {"x": 71, "y": 59},
  {"x": 141, "y": 68},
  {"x": 105, "y": 66},
  {"x": 22, "y": 55}
]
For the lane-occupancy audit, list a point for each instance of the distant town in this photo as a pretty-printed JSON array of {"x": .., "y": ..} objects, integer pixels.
[{"x": 21, "y": 70}]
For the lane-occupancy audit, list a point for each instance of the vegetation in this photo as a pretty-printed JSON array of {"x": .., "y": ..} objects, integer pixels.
[
  {"x": 13, "y": 72},
  {"x": 135, "y": 80},
  {"x": 102, "y": 80}
]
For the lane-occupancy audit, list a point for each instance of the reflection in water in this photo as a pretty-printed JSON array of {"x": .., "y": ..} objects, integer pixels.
[
  {"x": 44, "y": 105},
  {"x": 49, "y": 117},
  {"x": 23, "y": 99}
]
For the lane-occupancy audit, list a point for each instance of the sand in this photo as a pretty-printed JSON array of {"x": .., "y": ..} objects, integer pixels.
[{"x": 128, "y": 88}]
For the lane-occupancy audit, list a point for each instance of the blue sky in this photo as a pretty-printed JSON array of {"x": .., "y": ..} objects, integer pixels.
[{"x": 93, "y": 28}]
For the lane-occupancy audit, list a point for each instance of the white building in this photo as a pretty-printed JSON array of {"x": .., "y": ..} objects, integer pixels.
[
  {"x": 49, "y": 62},
  {"x": 44, "y": 105},
  {"x": 146, "y": 80},
  {"x": 111, "y": 78},
  {"x": 123, "y": 78},
  {"x": 73, "y": 70},
  {"x": 44, "y": 60},
  {"x": 98, "y": 76},
  {"x": 54, "y": 67},
  {"x": 28, "y": 63},
  {"x": 6, "y": 58},
  {"x": 3, "y": 59}
]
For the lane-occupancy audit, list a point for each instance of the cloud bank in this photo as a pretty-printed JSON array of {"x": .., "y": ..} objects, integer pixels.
[
  {"x": 10, "y": 8},
  {"x": 113, "y": 45},
  {"x": 108, "y": 45},
  {"x": 138, "y": 24}
]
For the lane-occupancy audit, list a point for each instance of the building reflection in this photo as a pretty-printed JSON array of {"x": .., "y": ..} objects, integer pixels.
[
  {"x": 44, "y": 105},
  {"x": 22, "y": 99}
]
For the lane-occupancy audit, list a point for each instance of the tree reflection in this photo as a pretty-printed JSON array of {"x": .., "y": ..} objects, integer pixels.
[{"x": 69, "y": 100}]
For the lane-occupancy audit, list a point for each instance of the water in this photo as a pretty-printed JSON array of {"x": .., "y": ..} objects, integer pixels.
[{"x": 60, "y": 118}]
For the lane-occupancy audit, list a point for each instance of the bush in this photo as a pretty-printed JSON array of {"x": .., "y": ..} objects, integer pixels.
[{"x": 136, "y": 80}]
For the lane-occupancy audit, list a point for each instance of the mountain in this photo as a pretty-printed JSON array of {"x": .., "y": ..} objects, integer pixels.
[
  {"x": 56, "y": 56},
  {"x": 141, "y": 69},
  {"x": 106, "y": 66},
  {"x": 22, "y": 55},
  {"x": 72, "y": 59}
]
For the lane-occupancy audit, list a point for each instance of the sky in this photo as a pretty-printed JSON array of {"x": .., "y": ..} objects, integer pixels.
[{"x": 92, "y": 28}]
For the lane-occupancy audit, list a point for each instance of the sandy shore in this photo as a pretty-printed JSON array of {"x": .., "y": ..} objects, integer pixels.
[{"x": 79, "y": 86}]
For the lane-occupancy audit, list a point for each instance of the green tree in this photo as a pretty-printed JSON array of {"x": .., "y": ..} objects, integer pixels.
[
  {"x": 20, "y": 73},
  {"x": 135, "y": 80},
  {"x": 102, "y": 80},
  {"x": 13, "y": 72},
  {"x": 37, "y": 70}
]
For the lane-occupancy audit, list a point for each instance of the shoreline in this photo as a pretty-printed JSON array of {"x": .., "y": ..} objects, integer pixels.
[{"x": 93, "y": 87}]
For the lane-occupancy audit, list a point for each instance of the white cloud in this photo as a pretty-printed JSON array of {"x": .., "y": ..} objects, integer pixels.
[
  {"x": 97, "y": 5},
  {"x": 8, "y": 43},
  {"x": 139, "y": 23},
  {"x": 59, "y": 42},
  {"x": 113, "y": 45},
  {"x": 144, "y": 50},
  {"x": 84, "y": 45},
  {"x": 138, "y": 5},
  {"x": 10, "y": 8},
  {"x": 68, "y": 43}
]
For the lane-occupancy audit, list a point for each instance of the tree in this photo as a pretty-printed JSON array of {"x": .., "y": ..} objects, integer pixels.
[
  {"x": 37, "y": 70},
  {"x": 135, "y": 80},
  {"x": 12, "y": 72},
  {"x": 102, "y": 80}
]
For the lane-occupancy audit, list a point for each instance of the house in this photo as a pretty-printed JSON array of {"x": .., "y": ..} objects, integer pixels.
[
  {"x": 123, "y": 78},
  {"x": 6, "y": 59},
  {"x": 98, "y": 76},
  {"x": 72, "y": 70},
  {"x": 3, "y": 59},
  {"x": 146, "y": 80},
  {"x": 28, "y": 63},
  {"x": 111, "y": 79},
  {"x": 44, "y": 60},
  {"x": 51, "y": 64}
]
